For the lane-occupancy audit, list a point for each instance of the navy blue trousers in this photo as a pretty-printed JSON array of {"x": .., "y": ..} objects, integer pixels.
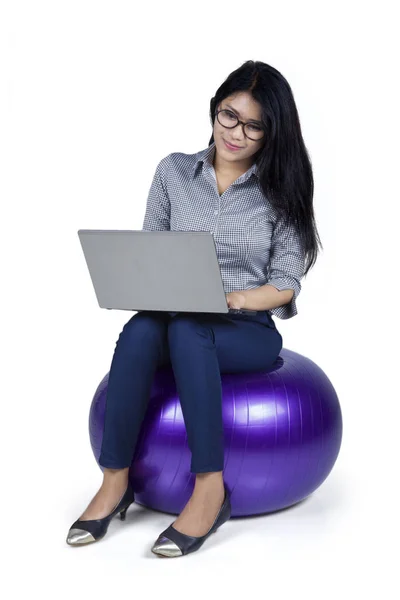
[{"x": 199, "y": 347}]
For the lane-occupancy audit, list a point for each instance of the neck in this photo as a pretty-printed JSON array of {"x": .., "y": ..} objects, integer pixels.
[{"x": 227, "y": 168}]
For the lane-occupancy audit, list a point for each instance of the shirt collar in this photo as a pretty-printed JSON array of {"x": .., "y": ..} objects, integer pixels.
[{"x": 206, "y": 157}]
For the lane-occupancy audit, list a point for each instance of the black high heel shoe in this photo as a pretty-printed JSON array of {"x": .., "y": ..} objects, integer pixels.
[
  {"x": 172, "y": 542},
  {"x": 86, "y": 532}
]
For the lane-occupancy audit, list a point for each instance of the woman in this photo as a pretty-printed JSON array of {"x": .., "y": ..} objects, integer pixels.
[{"x": 257, "y": 200}]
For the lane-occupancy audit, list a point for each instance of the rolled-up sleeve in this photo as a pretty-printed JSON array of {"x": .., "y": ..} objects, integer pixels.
[
  {"x": 286, "y": 265},
  {"x": 158, "y": 208}
]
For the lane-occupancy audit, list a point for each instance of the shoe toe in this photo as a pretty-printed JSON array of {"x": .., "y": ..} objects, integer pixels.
[
  {"x": 165, "y": 547},
  {"x": 79, "y": 536}
]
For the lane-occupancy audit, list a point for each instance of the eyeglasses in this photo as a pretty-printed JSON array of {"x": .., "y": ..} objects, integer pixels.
[{"x": 228, "y": 119}]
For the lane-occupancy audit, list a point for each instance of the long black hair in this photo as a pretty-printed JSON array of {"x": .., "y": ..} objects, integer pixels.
[{"x": 283, "y": 163}]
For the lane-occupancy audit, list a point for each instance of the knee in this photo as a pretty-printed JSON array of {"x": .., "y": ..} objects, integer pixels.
[
  {"x": 185, "y": 327},
  {"x": 142, "y": 328}
]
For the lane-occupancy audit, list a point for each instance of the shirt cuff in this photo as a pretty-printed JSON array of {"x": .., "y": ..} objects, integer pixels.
[{"x": 286, "y": 311}]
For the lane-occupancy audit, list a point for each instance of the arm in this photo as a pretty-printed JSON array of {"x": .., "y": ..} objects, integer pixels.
[
  {"x": 158, "y": 209},
  {"x": 285, "y": 270},
  {"x": 264, "y": 297}
]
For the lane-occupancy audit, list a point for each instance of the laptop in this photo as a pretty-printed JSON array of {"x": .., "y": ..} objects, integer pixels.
[{"x": 155, "y": 270}]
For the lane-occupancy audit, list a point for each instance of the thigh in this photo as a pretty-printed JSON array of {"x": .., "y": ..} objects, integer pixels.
[{"x": 242, "y": 342}]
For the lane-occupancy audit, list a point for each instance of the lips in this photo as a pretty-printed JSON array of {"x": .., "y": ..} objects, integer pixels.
[{"x": 233, "y": 145}]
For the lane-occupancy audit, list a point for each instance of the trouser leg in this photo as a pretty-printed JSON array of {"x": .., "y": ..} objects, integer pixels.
[
  {"x": 141, "y": 347},
  {"x": 200, "y": 348}
]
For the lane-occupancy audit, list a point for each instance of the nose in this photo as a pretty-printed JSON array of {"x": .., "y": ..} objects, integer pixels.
[{"x": 238, "y": 132}]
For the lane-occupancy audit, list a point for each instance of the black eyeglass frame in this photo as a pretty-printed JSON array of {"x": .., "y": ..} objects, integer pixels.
[{"x": 242, "y": 123}]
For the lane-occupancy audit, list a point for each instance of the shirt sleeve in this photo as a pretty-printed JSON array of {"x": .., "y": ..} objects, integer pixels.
[
  {"x": 158, "y": 208},
  {"x": 286, "y": 265}
]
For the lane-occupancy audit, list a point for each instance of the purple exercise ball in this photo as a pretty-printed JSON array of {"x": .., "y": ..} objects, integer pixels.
[{"x": 282, "y": 432}]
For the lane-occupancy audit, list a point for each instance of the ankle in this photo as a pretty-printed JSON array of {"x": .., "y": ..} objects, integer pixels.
[
  {"x": 115, "y": 478},
  {"x": 209, "y": 481}
]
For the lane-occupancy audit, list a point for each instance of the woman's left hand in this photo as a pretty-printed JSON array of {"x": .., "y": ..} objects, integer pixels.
[{"x": 235, "y": 300}]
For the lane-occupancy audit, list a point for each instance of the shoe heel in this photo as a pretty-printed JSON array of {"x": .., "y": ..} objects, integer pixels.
[{"x": 122, "y": 514}]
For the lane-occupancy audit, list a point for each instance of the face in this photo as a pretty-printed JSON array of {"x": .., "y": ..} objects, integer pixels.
[{"x": 246, "y": 109}]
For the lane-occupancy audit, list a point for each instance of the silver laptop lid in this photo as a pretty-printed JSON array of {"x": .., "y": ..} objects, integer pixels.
[{"x": 154, "y": 270}]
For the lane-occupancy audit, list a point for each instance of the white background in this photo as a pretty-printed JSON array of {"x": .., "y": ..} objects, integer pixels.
[{"x": 93, "y": 95}]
